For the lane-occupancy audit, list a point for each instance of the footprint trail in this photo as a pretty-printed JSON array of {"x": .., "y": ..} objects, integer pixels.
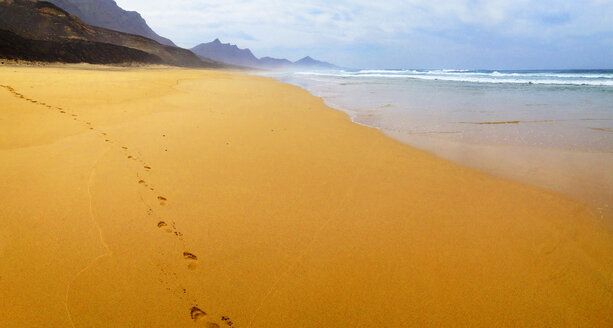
[{"x": 196, "y": 314}]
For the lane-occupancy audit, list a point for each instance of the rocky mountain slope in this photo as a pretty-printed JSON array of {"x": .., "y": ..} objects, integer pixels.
[
  {"x": 43, "y": 21},
  {"x": 14, "y": 47},
  {"x": 107, "y": 14}
]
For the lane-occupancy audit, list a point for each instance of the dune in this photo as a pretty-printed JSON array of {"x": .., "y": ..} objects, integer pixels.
[{"x": 171, "y": 197}]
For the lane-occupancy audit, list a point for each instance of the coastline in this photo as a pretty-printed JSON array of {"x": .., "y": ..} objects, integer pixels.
[
  {"x": 246, "y": 198},
  {"x": 578, "y": 172}
]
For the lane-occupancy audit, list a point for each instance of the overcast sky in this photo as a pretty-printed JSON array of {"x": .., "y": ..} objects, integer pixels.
[{"x": 497, "y": 34}]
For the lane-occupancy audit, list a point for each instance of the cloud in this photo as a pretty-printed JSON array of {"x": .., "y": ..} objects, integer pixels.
[{"x": 294, "y": 28}]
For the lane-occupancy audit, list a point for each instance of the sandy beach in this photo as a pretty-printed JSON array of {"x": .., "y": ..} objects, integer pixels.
[{"x": 165, "y": 197}]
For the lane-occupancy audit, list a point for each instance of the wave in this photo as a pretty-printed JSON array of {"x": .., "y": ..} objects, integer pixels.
[{"x": 571, "y": 78}]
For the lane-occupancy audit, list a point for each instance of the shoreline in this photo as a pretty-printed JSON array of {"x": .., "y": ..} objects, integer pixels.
[
  {"x": 562, "y": 171},
  {"x": 176, "y": 197}
]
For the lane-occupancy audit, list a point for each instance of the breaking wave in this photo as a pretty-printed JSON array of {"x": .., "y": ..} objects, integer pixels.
[{"x": 577, "y": 78}]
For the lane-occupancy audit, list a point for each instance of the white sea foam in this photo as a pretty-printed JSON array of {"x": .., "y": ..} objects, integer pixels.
[{"x": 596, "y": 78}]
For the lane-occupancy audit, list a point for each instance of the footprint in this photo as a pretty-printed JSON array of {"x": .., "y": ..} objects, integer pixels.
[
  {"x": 199, "y": 316},
  {"x": 147, "y": 167},
  {"x": 139, "y": 181},
  {"x": 227, "y": 320},
  {"x": 190, "y": 256},
  {"x": 192, "y": 259},
  {"x": 163, "y": 225},
  {"x": 162, "y": 200}
]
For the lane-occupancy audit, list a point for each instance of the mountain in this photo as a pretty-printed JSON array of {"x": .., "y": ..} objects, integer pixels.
[
  {"x": 107, "y": 14},
  {"x": 308, "y": 62},
  {"x": 226, "y": 53},
  {"x": 232, "y": 54},
  {"x": 275, "y": 62},
  {"x": 43, "y": 21},
  {"x": 14, "y": 47}
]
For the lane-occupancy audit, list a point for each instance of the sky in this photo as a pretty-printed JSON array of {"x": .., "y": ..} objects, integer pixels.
[{"x": 453, "y": 34}]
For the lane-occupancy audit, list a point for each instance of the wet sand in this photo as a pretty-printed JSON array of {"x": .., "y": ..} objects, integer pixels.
[
  {"x": 580, "y": 175},
  {"x": 180, "y": 198}
]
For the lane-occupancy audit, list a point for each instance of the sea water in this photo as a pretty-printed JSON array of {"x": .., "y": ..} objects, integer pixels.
[{"x": 553, "y": 129}]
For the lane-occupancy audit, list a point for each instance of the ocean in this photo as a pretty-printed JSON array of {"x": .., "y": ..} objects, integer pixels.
[{"x": 549, "y": 128}]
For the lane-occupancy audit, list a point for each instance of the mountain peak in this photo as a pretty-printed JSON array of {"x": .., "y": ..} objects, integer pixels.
[
  {"x": 226, "y": 53},
  {"x": 309, "y": 62}
]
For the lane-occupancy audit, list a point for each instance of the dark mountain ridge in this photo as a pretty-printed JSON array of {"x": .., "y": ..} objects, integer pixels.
[
  {"x": 47, "y": 22},
  {"x": 14, "y": 47}
]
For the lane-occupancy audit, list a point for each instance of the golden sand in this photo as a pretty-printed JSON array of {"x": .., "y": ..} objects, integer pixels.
[{"x": 179, "y": 198}]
